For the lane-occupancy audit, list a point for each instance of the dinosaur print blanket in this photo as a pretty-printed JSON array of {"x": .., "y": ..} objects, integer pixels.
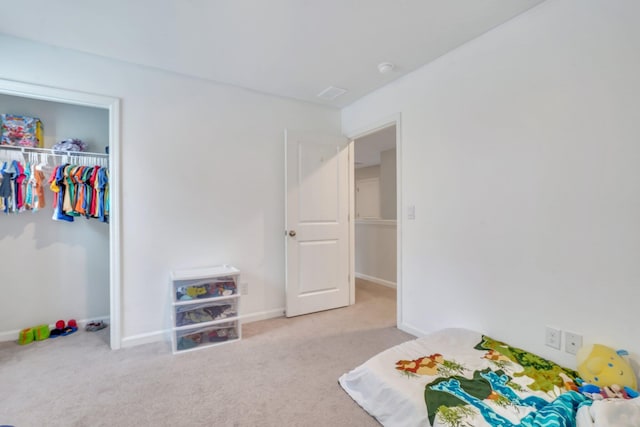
[{"x": 460, "y": 378}]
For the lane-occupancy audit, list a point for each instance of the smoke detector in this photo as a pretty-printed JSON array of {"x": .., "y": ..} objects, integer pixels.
[{"x": 385, "y": 67}]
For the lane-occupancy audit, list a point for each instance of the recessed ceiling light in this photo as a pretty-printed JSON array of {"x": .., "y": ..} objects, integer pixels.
[
  {"x": 385, "y": 67},
  {"x": 331, "y": 92}
]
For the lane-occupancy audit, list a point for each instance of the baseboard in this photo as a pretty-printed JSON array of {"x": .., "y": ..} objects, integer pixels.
[
  {"x": 148, "y": 338},
  {"x": 411, "y": 330},
  {"x": 262, "y": 315},
  {"x": 165, "y": 335},
  {"x": 376, "y": 280},
  {"x": 13, "y": 335},
  {"x": 9, "y": 336}
]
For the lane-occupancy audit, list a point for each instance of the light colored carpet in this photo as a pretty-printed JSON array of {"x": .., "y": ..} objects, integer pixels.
[{"x": 282, "y": 373}]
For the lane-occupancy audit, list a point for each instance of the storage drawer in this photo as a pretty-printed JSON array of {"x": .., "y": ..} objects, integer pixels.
[
  {"x": 187, "y": 290},
  {"x": 192, "y": 338},
  {"x": 191, "y": 314}
]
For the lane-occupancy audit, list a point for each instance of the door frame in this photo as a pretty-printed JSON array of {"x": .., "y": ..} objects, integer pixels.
[
  {"x": 395, "y": 119},
  {"x": 65, "y": 96}
]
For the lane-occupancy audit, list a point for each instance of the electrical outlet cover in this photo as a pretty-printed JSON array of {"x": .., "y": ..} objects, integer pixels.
[
  {"x": 244, "y": 288},
  {"x": 553, "y": 337},
  {"x": 572, "y": 342}
]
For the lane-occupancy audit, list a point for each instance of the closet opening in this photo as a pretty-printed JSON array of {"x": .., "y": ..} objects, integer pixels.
[{"x": 62, "y": 269}]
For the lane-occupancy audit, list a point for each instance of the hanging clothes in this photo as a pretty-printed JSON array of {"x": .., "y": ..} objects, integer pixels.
[
  {"x": 57, "y": 186},
  {"x": 18, "y": 180},
  {"x": 78, "y": 189},
  {"x": 28, "y": 190},
  {"x": 79, "y": 201},
  {"x": 103, "y": 182},
  {"x": 5, "y": 189},
  {"x": 34, "y": 199}
]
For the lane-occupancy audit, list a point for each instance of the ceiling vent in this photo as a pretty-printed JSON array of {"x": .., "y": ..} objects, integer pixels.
[{"x": 331, "y": 92}]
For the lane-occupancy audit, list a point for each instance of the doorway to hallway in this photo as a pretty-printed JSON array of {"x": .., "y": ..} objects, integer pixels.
[{"x": 375, "y": 236}]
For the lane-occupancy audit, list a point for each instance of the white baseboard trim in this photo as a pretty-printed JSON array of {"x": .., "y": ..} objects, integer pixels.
[
  {"x": 262, "y": 315},
  {"x": 148, "y": 338},
  {"x": 9, "y": 336},
  {"x": 377, "y": 280},
  {"x": 13, "y": 335},
  {"x": 411, "y": 330},
  {"x": 165, "y": 335}
]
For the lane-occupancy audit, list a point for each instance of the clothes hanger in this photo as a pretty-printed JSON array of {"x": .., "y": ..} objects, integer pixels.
[
  {"x": 8, "y": 165},
  {"x": 44, "y": 162}
]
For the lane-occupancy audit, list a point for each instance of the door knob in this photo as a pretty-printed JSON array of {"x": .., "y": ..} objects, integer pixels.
[{"x": 292, "y": 233}]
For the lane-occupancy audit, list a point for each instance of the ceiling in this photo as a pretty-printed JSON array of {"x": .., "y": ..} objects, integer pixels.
[{"x": 289, "y": 48}]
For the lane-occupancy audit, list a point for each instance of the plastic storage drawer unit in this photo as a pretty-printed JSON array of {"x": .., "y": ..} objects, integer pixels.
[
  {"x": 190, "y": 339},
  {"x": 205, "y": 308}
]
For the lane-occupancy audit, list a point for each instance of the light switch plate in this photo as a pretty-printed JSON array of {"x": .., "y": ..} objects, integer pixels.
[{"x": 411, "y": 212}]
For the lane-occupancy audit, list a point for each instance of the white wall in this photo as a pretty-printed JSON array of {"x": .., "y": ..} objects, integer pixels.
[
  {"x": 367, "y": 192},
  {"x": 376, "y": 240},
  {"x": 520, "y": 153},
  {"x": 202, "y": 175},
  {"x": 388, "y": 203},
  {"x": 56, "y": 270},
  {"x": 386, "y": 173},
  {"x": 367, "y": 172},
  {"x": 375, "y": 257}
]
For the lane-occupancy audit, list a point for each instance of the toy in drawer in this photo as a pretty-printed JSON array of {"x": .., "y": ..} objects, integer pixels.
[
  {"x": 200, "y": 337},
  {"x": 206, "y": 312},
  {"x": 221, "y": 286}
]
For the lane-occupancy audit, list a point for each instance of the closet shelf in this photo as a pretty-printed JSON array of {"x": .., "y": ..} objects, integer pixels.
[
  {"x": 51, "y": 151},
  {"x": 82, "y": 158}
]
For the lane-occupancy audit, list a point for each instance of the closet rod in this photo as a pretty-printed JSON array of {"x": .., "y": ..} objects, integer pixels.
[{"x": 52, "y": 152}]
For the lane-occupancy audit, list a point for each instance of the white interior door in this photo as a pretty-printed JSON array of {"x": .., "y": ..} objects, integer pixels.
[
  {"x": 317, "y": 222},
  {"x": 368, "y": 198}
]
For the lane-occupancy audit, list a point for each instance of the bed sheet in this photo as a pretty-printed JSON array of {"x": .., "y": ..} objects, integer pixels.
[
  {"x": 610, "y": 413},
  {"x": 434, "y": 381}
]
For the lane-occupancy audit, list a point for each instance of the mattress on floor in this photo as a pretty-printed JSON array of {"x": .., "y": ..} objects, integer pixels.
[{"x": 457, "y": 377}]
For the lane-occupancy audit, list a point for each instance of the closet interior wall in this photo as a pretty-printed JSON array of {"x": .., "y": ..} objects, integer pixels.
[{"x": 53, "y": 269}]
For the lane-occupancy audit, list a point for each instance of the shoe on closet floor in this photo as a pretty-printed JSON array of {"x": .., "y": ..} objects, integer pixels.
[
  {"x": 95, "y": 326},
  {"x": 63, "y": 329},
  {"x": 68, "y": 330},
  {"x": 26, "y": 336},
  {"x": 72, "y": 326},
  {"x": 57, "y": 331},
  {"x": 41, "y": 332}
]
